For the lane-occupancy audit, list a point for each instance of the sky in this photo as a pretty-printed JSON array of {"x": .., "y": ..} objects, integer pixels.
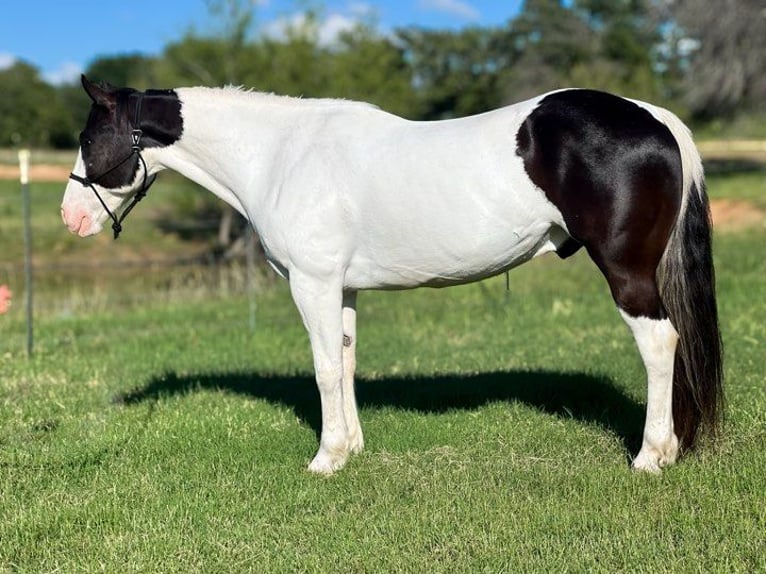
[{"x": 61, "y": 38}]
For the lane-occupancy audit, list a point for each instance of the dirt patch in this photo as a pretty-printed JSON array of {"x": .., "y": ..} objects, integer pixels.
[
  {"x": 37, "y": 172},
  {"x": 733, "y": 215}
]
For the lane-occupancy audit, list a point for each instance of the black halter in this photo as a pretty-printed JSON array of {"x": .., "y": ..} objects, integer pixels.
[{"x": 135, "y": 149}]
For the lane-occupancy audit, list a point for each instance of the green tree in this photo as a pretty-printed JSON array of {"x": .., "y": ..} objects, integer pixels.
[
  {"x": 368, "y": 67},
  {"x": 31, "y": 111},
  {"x": 455, "y": 73},
  {"x": 550, "y": 40},
  {"x": 295, "y": 65},
  {"x": 598, "y": 44},
  {"x": 133, "y": 70},
  {"x": 221, "y": 55},
  {"x": 626, "y": 35},
  {"x": 193, "y": 61}
]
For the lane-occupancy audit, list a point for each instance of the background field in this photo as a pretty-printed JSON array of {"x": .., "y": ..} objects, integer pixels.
[{"x": 155, "y": 430}]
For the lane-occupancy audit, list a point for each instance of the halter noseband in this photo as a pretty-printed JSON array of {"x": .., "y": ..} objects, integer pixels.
[{"x": 135, "y": 149}]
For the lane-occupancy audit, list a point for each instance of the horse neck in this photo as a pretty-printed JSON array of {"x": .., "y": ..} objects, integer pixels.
[{"x": 229, "y": 141}]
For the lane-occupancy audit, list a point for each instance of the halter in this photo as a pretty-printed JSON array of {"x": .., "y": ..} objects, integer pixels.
[{"x": 135, "y": 149}]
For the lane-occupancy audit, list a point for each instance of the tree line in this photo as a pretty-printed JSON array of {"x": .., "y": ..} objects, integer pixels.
[{"x": 705, "y": 60}]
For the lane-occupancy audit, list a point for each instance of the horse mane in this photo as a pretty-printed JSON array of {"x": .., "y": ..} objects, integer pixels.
[{"x": 252, "y": 95}]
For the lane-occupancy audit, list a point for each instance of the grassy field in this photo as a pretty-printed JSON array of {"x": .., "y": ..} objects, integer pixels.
[{"x": 154, "y": 431}]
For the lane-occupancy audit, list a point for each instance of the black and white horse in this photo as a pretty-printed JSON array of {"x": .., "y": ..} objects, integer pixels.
[{"x": 346, "y": 197}]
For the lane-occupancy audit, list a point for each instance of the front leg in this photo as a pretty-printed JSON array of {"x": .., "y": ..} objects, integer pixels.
[{"x": 319, "y": 302}]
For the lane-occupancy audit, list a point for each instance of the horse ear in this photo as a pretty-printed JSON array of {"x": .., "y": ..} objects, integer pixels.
[{"x": 101, "y": 96}]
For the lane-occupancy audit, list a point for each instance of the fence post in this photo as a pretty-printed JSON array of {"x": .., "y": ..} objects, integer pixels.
[{"x": 24, "y": 155}]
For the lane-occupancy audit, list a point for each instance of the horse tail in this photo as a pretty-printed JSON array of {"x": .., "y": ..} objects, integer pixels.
[{"x": 686, "y": 280}]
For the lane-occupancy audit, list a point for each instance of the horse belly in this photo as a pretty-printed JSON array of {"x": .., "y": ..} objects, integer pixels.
[{"x": 416, "y": 256}]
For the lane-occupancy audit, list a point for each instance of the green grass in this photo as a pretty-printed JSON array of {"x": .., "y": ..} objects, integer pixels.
[
  {"x": 141, "y": 237},
  {"x": 163, "y": 435},
  {"x": 737, "y": 180}
]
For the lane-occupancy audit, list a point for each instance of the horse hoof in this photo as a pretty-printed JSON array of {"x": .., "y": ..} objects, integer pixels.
[
  {"x": 646, "y": 464},
  {"x": 356, "y": 443},
  {"x": 326, "y": 464},
  {"x": 652, "y": 461}
]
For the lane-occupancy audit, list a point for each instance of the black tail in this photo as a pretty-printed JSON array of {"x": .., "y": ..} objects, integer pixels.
[{"x": 687, "y": 286}]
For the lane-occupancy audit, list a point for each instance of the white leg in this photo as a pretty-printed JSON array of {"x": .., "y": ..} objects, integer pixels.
[
  {"x": 355, "y": 437},
  {"x": 320, "y": 305},
  {"x": 656, "y": 340}
]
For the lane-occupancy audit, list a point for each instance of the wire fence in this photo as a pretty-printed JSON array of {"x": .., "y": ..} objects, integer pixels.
[
  {"x": 102, "y": 285},
  {"x": 67, "y": 294}
]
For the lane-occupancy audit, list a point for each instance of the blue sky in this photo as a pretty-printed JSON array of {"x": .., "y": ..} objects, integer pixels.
[{"x": 62, "y": 37}]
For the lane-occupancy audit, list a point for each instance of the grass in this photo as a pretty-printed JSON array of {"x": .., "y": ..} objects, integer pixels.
[
  {"x": 160, "y": 434},
  {"x": 737, "y": 180}
]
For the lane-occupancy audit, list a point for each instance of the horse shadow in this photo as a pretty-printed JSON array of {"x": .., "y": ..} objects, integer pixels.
[{"x": 590, "y": 399}]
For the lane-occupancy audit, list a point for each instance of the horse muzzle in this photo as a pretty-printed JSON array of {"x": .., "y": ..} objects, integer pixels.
[{"x": 78, "y": 221}]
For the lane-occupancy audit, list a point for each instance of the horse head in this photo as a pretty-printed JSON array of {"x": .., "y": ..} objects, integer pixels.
[{"x": 110, "y": 170}]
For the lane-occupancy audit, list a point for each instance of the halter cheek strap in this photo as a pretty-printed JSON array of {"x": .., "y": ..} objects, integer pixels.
[{"x": 135, "y": 149}]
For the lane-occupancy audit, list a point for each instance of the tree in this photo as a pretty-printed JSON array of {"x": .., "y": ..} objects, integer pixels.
[
  {"x": 295, "y": 64},
  {"x": 133, "y": 70},
  {"x": 368, "y": 67},
  {"x": 550, "y": 40},
  {"x": 31, "y": 111},
  {"x": 600, "y": 44},
  {"x": 626, "y": 35},
  {"x": 725, "y": 52},
  {"x": 195, "y": 61},
  {"x": 454, "y": 73}
]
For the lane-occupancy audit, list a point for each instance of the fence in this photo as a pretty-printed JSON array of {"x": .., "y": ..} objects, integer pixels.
[
  {"x": 734, "y": 149},
  {"x": 79, "y": 283}
]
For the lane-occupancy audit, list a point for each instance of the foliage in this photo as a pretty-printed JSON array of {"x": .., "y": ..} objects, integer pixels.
[
  {"x": 454, "y": 74},
  {"x": 368, "y": 67},
  {"x": 124, "y": 70},
  {"x": 726, "y": 55},
  {"x": 32, "y": 113},
  {"x": 552, "y": 40}
]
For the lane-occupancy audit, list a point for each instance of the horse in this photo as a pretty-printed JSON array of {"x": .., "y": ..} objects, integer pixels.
[{"x": 346, "y": 197}]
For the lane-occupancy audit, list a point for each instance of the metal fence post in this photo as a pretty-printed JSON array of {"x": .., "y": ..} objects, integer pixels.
[{"x": 24, "y": 178}]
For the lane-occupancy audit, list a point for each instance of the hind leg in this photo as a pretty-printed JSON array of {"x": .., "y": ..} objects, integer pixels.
[
  {"x": 355, "y": 437},
  {"x": 635, "y": 291},
  {"x": 656, "y": 340},
  {"x": 619, "y": 187}
]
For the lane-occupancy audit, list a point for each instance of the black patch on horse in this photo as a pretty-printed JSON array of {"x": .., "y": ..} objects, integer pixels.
[
  {"x": 107, "y": 137},
  {"x": 614, "y": 171}
]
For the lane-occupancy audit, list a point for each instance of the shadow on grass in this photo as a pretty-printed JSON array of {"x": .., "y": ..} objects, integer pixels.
[{"x": 594, "y": 400}]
